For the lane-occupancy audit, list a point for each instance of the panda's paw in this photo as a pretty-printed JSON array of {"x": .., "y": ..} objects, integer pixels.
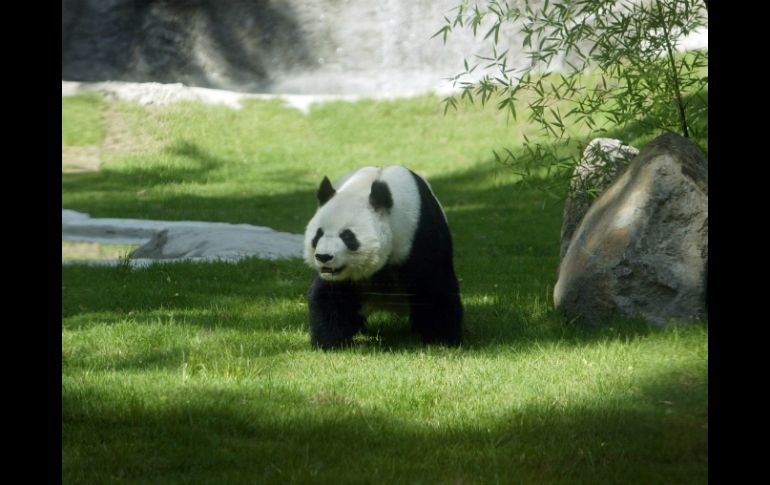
[{"x": 331, "y": 340}]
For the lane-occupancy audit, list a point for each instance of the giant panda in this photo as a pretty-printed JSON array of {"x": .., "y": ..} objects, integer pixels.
[{"x": 380, "y": 241}]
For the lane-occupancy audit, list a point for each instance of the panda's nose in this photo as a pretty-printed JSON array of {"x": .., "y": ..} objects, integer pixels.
[{"x": 324, "y": 258}]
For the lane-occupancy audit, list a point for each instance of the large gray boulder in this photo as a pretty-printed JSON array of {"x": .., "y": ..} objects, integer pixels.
[
  {"x": 642, "y": 247},
  {"x": 603, "y": 159}
]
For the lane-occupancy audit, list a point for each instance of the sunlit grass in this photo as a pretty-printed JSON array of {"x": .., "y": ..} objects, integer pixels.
[
  {"x": 81, "y": 120},
  {"x": 203, "y": 373}
]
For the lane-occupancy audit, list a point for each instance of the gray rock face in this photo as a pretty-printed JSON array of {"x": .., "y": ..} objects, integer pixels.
[
  {"x": 642, "y": 247},
  {"x": 276, "y": 46},
  {"x": 233, "y": 45},
  {"x": 602, "y": 161},
  {"x": 280, "y": 46}
]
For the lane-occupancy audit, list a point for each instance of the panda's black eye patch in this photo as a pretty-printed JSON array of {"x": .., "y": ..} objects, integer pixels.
[
  {"x": 318, "y": 235},
  {"x": 349, "y": 239}
]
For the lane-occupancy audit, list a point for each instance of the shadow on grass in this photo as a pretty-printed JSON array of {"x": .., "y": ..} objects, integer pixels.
[
  {"x": 196, "y": 169},
  {"x": 144, "y": 193},
  {"x": 260, "y": 325},
  {"x": 267, "y": 433}
]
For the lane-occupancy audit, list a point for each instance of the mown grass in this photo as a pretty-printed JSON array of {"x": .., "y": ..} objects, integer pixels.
[
  {"x": 81, "y": 120},
  {"x": 190, "y": 373}
]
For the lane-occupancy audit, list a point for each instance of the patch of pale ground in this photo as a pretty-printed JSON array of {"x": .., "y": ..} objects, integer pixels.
[
  {"x": 80, "y": 159},
  {"x": 120, "y": 138},
  {"x": 91, "y": 250}
]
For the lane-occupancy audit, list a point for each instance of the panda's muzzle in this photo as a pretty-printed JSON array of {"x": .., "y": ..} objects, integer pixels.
[{"x": 331, "y": 271}]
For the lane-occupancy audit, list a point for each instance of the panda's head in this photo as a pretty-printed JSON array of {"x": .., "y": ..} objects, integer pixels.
[{"x": 350, "y": 238}]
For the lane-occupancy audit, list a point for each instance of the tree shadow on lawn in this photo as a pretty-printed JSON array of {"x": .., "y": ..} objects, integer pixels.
[
  {"x": 200, "y": 165},
  {"x": 179, "y": 285},
  {"x": 657, "y": 433},
  {"x": 143, "y": 193}
]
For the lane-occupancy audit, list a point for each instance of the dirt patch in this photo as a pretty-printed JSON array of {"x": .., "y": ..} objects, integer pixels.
[
  {"x": 120, "y": 139},
  {"x": 89, "y": 250},
  {"x": 120, "y": 136},
  {"x": 80, "y": 159}
]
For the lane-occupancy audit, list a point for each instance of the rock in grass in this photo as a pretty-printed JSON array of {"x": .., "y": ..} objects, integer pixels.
[
  {"x": 603, "y": 159},
  {"x": 182, "y": 240},
  {"x": 642, "y": 247},
  {"x": 222, "y": 241}
]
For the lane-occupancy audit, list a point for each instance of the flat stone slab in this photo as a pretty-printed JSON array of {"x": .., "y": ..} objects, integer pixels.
[{"x": 182, "y": 240}]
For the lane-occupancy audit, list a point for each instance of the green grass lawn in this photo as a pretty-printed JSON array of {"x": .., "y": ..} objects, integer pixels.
[
  {"x": 81, "y": 120},
  {"x": 203, "y": 373}
]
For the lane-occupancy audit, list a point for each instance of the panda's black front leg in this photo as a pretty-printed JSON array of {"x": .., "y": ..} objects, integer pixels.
[
  {"x": 334, "y": 311},
  {"x": 436, "y": 310}
]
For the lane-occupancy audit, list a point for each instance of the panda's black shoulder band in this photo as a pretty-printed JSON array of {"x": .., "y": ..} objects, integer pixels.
[{"x": 380, "y": 196}]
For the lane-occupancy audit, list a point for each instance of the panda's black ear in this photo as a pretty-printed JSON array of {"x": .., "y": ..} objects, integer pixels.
[
  {"x": 325, "y": 191},
  {"x": 380, "y": 197}
]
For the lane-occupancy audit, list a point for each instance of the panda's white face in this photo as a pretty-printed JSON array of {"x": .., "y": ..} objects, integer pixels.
[
  {"x": 348, "y": 239},
  {"x": 370, "y": 221}
]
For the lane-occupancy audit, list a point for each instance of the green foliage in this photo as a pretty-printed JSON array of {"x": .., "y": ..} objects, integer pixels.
[
  {"x": 594, "y": 68},
  {"x": 81, "y": 120}
]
